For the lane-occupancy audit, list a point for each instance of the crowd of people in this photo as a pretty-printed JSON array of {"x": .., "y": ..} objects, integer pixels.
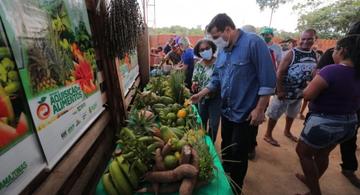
[{"x": 240, "y": 77}]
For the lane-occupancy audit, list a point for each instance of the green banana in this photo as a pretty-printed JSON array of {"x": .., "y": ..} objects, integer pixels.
[
  {"x": 140, "y": 167},
  {"x": 152, "y": 147},
  {"x": 128, "y": 155},
  {"x": 129, "y": 173},
  {"x": 146, "y": 139},
  {"x": 108, "y": 184},
  {"x": 127, "y": 132},
  {"x": 122, "y": 186}
]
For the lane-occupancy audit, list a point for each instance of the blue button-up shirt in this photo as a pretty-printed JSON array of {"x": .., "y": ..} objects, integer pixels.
[{"x": 243, "y": 74}]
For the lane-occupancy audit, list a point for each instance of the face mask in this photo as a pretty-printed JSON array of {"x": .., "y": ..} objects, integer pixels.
[
  {"x": 221, "y": 43},
  {"x": 267, "y": 39},
  {"x": 207, "y": 54}
]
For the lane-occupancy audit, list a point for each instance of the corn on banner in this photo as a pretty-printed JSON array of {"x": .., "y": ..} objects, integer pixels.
[
  {"x": 51, "y": 42},
  {"x": 20, "y": 154}
]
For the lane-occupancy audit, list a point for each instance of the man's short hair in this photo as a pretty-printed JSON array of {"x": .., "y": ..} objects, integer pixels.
[
  {"x": 311, "y": 30},
  {"x": 220, "y": 21}
]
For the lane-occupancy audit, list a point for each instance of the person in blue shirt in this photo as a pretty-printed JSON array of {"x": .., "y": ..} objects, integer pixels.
[
  {"x": 245, "y": 76},
  {"x": 187, "y": 60}
]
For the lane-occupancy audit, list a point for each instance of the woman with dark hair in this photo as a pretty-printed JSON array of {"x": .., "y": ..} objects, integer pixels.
[
  {"x": 334, "y": 96},
  {"x": 210, "y": 106},
  {"x": 349, "y": 163}
]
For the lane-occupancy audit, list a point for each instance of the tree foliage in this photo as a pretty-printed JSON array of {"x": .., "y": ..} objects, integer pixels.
[
  {"x": 272, "y": 4},
  {"x": 331, "y": 21},
  {"x": 178, "y": 30}
]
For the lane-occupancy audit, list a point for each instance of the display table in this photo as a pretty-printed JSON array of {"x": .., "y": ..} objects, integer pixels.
[{"x": 219, "y": 185}]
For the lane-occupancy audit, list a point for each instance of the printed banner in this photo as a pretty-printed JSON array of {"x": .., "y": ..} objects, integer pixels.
[
  {"x": 128, "y": 70},
  {"x": 52, "y": 45},
  {"x": 21, "y": 158}
]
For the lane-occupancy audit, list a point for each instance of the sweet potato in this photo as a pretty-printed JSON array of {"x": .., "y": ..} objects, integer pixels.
[
  {"x": 180, "y": 172},
  {"x": 155, "y": 185},
  {"x": 159, "y": 161},
  {"x": 185, "y": 155},
  {"x": 188, "y": 184},
  {"x": 159, "y": 166},
  {"x": 167, "y": 148}
]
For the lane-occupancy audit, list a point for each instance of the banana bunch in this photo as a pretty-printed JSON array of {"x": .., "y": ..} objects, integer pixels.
[
  {"x": 9, "y": 78},
  {"x": 125, "y": 170},
  {"x": 122, "y": 178}
]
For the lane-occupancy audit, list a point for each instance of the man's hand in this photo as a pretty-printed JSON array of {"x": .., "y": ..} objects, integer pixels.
[
  {"x": 256, "y": 117},
  {"x": 281, "y": 95},
  {"x": 195, "y": 98}
]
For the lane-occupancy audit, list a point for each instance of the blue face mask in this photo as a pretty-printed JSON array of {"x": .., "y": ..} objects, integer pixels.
[{"x": 207, "y": 54}]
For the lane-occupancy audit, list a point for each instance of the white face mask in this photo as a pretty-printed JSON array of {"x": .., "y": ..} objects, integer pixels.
[
  {"x": 221, "y": 43},
  {"x": 207, "y": 54}
]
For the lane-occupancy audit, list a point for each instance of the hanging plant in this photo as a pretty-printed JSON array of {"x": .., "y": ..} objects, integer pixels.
[{"x": 122, "y": 26}]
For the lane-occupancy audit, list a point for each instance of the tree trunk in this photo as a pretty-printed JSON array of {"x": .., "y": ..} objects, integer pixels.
[{"x": 271, "y": 16}]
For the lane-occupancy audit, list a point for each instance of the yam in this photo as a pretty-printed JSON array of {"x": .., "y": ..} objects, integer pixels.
[
  {"x": 167, "y": 148},
  {"x": 180, "y": 172}
]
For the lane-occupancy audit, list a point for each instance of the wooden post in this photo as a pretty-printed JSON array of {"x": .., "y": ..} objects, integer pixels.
[{"x": 144, "y": 57}]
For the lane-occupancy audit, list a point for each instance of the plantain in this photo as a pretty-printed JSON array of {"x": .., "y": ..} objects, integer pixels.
[
  {"x": 128, "y": 172},
  {"x": 108, "y": 184},
  {"x": 122, "y": 186}
]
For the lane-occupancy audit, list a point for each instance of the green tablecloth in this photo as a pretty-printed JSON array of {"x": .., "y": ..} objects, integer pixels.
[{"x": 219, "y": 185}]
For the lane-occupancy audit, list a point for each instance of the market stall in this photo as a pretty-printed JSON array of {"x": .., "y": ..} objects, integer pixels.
[{"x": 71, "y": 79}]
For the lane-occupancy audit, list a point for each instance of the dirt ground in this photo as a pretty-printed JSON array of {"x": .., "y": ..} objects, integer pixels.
[{"x": 273, "y": 169}]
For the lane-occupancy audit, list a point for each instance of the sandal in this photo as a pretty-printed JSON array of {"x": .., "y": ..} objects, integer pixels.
[
  {"x": 291, "y": 137},
  {"x": 272, "y": 141}
]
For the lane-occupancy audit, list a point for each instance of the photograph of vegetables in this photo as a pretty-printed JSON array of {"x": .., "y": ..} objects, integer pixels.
[
  {"x": 64, "y": 56},
  {"x": 13, "y": 121},
  {"x": 158, "y": 151}
]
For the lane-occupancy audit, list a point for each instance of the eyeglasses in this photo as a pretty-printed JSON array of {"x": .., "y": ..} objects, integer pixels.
[{"x": 203, "y": 49}]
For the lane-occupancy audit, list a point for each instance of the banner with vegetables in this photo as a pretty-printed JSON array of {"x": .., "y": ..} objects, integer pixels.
[
  {"x": 52, "y": 45},
  {"x": 20, "y": 155},
  {"x": 128, "y": 70}
]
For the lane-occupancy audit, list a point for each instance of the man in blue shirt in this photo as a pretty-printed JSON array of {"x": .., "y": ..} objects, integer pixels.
[{"x": 246, "y": 78}]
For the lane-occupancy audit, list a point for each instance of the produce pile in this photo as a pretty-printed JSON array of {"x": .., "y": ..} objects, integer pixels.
[{"x": 158, "y": 149}]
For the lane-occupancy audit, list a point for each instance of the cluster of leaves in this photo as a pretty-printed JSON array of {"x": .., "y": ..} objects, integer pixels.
[
  {"x": 330, "y": 20},
  {"x": 124, "y": 24},
  {"x": 82, "y": 37},
  {"x": 272, "y": 4}
]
